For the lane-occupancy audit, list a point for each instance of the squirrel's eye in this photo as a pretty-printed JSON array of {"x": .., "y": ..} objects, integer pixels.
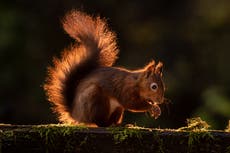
[{"x": 153, "y": 86}]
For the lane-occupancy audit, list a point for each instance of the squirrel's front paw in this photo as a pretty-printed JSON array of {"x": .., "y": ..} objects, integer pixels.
[{"x": 155, "y": 111}]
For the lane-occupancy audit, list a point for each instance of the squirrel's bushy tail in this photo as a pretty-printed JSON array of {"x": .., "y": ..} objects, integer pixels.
[{"x": 96, "y": 46}]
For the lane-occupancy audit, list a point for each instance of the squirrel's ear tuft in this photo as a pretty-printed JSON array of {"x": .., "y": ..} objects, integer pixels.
[
  {"x": 150, "y": 68},
  {"x": 159, "y": 68}
]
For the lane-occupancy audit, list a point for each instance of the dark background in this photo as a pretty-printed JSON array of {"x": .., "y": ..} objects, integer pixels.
[{"x": 192, "y": 38}]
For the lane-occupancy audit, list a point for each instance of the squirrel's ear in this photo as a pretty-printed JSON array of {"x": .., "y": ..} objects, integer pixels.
[
  {"x": 150, "y": 68},
  {"x": 159, "y": 68}
]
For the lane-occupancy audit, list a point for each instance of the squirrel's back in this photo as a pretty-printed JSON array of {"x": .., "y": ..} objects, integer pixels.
[{"x": 95, "y": 47}]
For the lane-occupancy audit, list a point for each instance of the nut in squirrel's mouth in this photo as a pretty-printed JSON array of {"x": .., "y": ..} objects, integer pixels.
[{"x": 155, "y": 110}]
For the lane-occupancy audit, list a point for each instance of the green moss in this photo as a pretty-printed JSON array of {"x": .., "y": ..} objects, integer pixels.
[
  {"x": 54, "y": 129},
  {"x": 198, "y": 129},
  {"x": 6, "y": 135},
  {"x": 28, "y": 136},
  {"x": 120, "y": 134},
  {"x": 50, "y": 133},
  {"x": 160, "y": 144},
  {"x": 83, "y": 142},
  {"x": 227, "y": 149},
  {"x": 195, "y": 138}
]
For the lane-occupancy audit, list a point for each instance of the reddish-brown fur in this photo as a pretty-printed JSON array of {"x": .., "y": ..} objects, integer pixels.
[{"x": 84, "y": 87}]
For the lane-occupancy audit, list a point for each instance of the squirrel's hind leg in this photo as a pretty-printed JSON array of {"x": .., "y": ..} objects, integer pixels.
[
  {"x": 117, "y": 116},
  {"x": 91, "y": 106}
]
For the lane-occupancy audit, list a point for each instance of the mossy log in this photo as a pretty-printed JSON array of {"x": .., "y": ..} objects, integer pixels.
[{"x": 63, "y": 139}]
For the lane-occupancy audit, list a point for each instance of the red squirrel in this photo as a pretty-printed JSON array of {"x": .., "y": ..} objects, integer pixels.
[{"x": 83, "y": 86}]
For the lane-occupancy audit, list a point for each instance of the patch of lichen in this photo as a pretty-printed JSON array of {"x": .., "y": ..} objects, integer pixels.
[{"x": 195, "y": 124}]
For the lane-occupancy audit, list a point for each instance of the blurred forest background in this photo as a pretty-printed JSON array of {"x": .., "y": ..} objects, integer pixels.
[{"x": 192, "y": 38}]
